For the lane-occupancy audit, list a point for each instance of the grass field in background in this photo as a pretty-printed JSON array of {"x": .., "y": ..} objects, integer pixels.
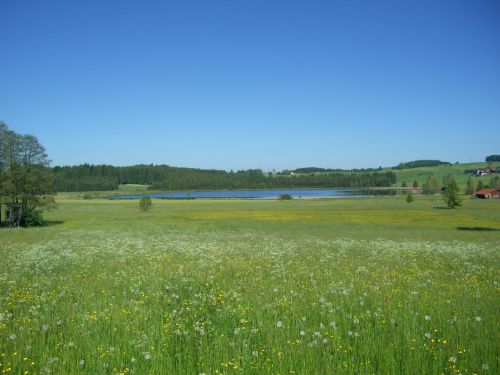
[
  {"x": 457, "y": 170},
  {"x": 350, "y": 286}
]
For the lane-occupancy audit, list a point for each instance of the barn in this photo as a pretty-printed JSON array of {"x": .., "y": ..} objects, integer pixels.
[{"x": 487, "y": 194}]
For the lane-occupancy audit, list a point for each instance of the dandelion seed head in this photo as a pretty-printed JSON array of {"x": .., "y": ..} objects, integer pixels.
[
  {"x": 453, "y": 359},
  {"x": 427, "y": 317},
  {"x": 147, "y": 356},
  {"x": 81, "y": 362},
  {"x": 279, "y": 324}
]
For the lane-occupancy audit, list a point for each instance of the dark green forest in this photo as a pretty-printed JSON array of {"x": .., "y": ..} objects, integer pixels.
[
  {"x": 420, "y": 164},
  {"x": 88, "y": 177}
]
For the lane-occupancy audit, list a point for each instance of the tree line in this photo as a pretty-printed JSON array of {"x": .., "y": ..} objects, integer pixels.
[
  {"x": 420, "y": 164},
  {"x": 492, "y": 158},
  {"x": 26, "y": 181},
  {"x": 88, "y": 177}
]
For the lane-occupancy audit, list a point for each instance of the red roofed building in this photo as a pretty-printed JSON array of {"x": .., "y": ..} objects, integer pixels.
[{"x": 487, "y": 193}]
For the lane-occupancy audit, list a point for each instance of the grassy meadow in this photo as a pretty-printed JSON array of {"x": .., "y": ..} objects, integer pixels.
[
  {"x": 338, "y": 286},
  {"x": 456, "y": 170}
]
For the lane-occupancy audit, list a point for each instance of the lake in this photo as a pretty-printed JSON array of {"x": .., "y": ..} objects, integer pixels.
[{"x": 266, "y": 194}]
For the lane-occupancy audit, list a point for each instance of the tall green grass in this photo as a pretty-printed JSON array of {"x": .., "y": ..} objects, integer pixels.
[{"x": 253, "y": 287}]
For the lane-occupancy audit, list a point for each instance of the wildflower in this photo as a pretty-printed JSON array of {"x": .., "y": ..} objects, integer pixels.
[{"x": 302, "y": 333}]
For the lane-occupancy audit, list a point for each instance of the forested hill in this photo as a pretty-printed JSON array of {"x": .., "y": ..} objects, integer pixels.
[{"x": 87, "y": 177}]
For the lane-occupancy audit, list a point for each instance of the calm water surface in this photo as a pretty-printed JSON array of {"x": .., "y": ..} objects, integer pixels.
[{"x": 263, "y": 194}]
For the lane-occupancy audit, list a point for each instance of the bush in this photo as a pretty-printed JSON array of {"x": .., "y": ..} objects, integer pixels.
[
  {"x": 34, "y": 219},
  {"x": 409, "y": 198},
  {"x": 145, "y": 203},
  {"x": 285, "y": 197}
]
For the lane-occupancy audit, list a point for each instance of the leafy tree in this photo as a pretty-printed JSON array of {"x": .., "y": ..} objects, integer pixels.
[
  {"x": 451, "y": 195},
  {"x": 480, "y": 185},
  {"x": 471, "y": 186},
  {"x": 415, "y": 184},
  {"x": 447, "y": 179},
  {"x": 404, "y": 184},
  {"x": 145, "y": 203},
  {"x": 431, "y": 185},
  {"x": 26, "y": 183},
  {"x": 495, "y": 182},
  {"x": 409, "y": 197}
]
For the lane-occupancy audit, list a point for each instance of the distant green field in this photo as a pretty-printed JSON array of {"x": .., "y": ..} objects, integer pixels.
[
  {"x": 457, "y": 170},
  {"x": 339, "y": 286},
  {"x": 133, "y": 187}
]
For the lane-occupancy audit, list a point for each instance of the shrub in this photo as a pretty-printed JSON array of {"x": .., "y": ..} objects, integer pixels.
[
  {"x": 409, "y": 198},
  {"x": 145, "y": 203},
  {"x": 34, "y": 219},
  {"x": 285, "y": 197}
]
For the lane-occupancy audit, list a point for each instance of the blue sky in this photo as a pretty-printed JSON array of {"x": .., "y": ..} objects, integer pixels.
[{"x": 253, "y": 84}]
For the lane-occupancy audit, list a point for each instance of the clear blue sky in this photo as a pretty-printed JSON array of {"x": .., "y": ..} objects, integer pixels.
[{"x": 243, "y": 84}]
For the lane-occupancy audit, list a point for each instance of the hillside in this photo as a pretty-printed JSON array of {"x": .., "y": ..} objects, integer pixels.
[{"x": 457, "y": 170}]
